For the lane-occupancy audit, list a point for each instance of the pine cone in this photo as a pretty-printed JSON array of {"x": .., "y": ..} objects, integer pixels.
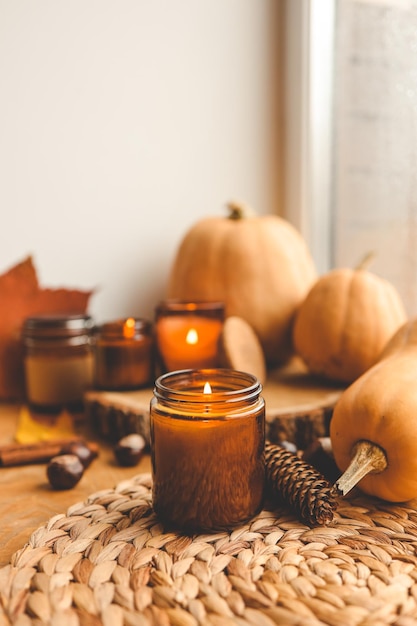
[{"x": 299, "y": 485}]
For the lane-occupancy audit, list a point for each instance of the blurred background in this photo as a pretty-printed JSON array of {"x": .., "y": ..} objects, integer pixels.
[{"x": 122, "y": 124}]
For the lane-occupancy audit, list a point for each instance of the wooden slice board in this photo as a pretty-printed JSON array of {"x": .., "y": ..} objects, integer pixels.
[{"x": 298, "y": 408}]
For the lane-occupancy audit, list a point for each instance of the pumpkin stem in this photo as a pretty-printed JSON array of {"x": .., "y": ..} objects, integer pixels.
[
  {"x": 238, "y": 210},
  {"x": 367, "y": 458},
  {"x": 366, "y": 260}
]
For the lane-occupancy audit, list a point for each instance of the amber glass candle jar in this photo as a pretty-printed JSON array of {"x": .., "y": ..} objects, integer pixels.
[
  {"x": 123, "y": 354},
  {"x": 187, "y": 334},
  {"x": 58, "y": 360},
  {"x": 207, "y": 448}
]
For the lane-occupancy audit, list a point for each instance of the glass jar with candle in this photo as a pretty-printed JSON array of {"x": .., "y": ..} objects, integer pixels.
[
  {"x": 207, "y": 448},
  {"x": 58, "y": 360},
  {"x": 187, "y": 334},
  {"x": 123, "y": 354}
]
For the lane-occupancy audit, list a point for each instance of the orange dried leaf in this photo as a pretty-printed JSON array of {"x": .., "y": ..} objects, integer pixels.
[{"x": 30, "y": 430}]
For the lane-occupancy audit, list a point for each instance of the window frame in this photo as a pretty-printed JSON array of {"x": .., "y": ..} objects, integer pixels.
[{"x": 309, "y": 54}]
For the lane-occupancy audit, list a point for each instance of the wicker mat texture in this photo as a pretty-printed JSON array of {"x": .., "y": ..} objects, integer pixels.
[{"x": 108, "y": 561}]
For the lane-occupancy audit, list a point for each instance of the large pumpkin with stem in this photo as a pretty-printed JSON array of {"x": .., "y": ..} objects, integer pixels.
[
  {"x": 259, "y": 266},
  {"x": 345, "y": 321}
]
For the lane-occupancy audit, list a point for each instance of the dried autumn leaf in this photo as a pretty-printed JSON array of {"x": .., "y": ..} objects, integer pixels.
[
  {"x": 20, "y": 297},
  {"x": 32, "y": 430}
]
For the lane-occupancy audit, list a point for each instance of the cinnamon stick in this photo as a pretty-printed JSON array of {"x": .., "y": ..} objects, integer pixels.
[{"x": 40, "y": 452}]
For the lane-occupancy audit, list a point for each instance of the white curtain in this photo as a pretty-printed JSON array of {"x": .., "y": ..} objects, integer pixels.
[{"x": 375, "y": 140}]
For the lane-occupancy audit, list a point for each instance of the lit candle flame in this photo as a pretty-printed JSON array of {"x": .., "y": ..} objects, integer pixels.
[
  {"x": 192, "y": 337},
  {"x": 207, "y": 387},
  {"x": 129, "y": 328}
]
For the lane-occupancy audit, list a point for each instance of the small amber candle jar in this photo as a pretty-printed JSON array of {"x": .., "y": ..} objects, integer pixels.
[
  {"x": 207, "y": 448},
  {"x": 123, "y": 355},
  {"x": 58, "y": 360},
  {"x": 187, "y": 334}
]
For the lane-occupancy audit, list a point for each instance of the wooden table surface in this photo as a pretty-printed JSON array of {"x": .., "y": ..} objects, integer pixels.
[{"x": 26, "y": 499}]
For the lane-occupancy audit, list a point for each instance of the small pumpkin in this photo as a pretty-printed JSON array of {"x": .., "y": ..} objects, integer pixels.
[
  {"x": 259, "y": 266},
  {"x": 345, "y": 321},
  {"x": 373, "y": 429}
]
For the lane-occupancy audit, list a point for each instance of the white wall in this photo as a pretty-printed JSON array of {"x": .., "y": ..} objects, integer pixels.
[{"x": 121, "y": 124}]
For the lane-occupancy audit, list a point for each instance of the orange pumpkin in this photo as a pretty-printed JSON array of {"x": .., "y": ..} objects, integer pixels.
[
  {"x": 345, "y": 321},
  {"x": 259, "y": 266}
]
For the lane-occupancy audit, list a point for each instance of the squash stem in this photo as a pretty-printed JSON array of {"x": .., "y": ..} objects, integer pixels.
[
  {"x": 238, "y": 210},
  {"x": 367, "y": 458},
  {"x": 366, "y": 261}
]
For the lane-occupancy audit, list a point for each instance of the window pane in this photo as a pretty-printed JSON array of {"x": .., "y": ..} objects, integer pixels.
[{"x": 375, "y": 139}]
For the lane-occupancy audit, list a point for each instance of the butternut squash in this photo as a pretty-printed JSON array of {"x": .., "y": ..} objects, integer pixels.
[{"x": 373, "y": 429}]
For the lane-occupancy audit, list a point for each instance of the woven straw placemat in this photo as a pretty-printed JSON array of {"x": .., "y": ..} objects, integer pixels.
[{"x": 109, "y": 561}]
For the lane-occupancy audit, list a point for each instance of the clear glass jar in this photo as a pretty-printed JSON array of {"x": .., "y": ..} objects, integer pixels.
[
  {"x": 123, "y": 355},
  {"x": 187, "y": 334},
  {"x": 58, "y": 360},
  {"x": 207, "y": 448}
]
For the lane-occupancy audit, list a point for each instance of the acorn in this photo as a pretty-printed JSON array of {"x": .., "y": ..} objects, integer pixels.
[
  {"x": 64, "y": 471},
  {"x": 129, "y": 450},
  {"x": 86, "y": 452}
]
